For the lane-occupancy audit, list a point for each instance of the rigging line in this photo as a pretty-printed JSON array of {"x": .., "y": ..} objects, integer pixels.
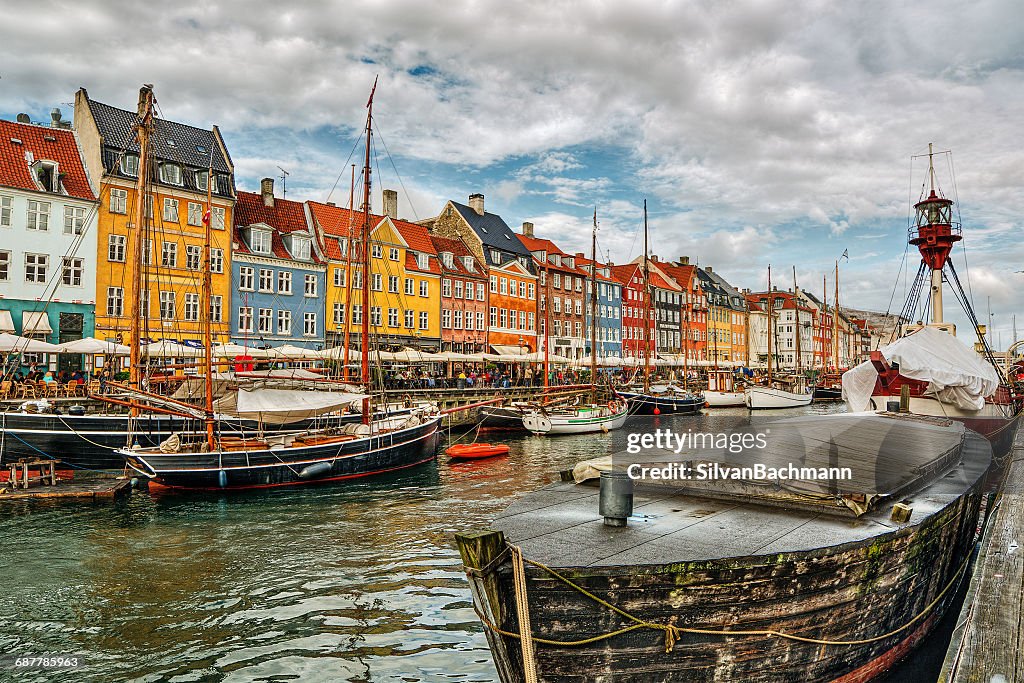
[
  {"x": 344, "y": 166},
  {"x": 397, "y": 174}
]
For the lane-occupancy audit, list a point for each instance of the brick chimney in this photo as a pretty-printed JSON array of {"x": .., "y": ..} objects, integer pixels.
[
  {"x": 391, "y": 203},
  {"x": 708, "y": 269},
  {"x": 527, "y": 227},
  {"x": 654, "y": 258},
  {"x": 476, "y": 202},
  {"x": 267, "y": 190},
  {"x": 684, "y": 260}
]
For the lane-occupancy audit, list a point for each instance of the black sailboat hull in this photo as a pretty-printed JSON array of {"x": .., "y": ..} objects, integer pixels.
[
  {"x": 647, "y": 404},
  {"x": 269, "y": 467}
]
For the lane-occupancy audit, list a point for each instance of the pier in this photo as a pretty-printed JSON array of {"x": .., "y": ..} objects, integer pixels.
[
  {"x": 91, "y": 488},
  {"x": 988, "y": 643}
]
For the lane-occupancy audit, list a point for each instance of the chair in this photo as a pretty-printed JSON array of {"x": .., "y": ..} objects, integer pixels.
[
  {"x": 26, "y": 389},
  {"x": 94, "y": 387},
  {"x": 6, "y": 389},
  {"x": 51, "y": 389},
  {"x": 70, "y": 389}
]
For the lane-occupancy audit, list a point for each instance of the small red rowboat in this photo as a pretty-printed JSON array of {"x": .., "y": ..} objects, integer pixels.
[{"x": 475, "y": 451}]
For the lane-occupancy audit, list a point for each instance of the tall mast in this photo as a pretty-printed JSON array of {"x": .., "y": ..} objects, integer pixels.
[
  {"x": 348, "y": 273},
  {"x": 206, "y": 304},
  {"x": 143, "y": 130},
  {"x": 593, "y": 303},
  {"x": 934, "y": 235},
  {"x": 686, "y": 332},
  {"x": 835, "y": 322},
  {"x": 547, "y": 320},
  {"x": 796, "y": 307},
  {"x": 366, "y": 255},
  {"x": 821, "y": 326},
  {"x": 647, "y": 310},
  {"x": 771, "y": 321}
]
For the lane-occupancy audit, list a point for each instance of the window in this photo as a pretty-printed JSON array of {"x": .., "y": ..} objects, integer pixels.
[
  {"x": 357, "y": 314},
  {"x": 6, "y": 211},
  {"x": 480, "y": 320},
  {"x": 467, "y": 263},
  {"x": 458, "y": 289},
  {"x": 130, "y": 164},
  {"x": 339, "y": 277},
  {"x": 529, "y": 321},
  {"x": 496, "y": 257},
  {"x": 458, "y": 320},
  {"x": 339, "y": 314},
  {"x": 147, "y": 252},
  {"x": 310, "y": 285},
  {"x": 191, "y": 306},
  {"x": 302, "y": 248},
  {"x": 393, "y": 284},
  {"x": 195, "y": 213},
  {"x": 470, "y": 294},
  {"x": 410, "y": 286},
  {"x": 216, "y": 260},
  {"x": 522, "y": 320},
  {"x": 116, "y": 248},
  {"x": 357, "y": 279},
  {"x": 217, "y": 218},
  {"x": 201, "y": 180},
  {"x": 503, "y": 317},
  {"x": 424, "y": 320},
  {"x": 375, "y": 316},
  {"x": 557, "y": 304},
  {"x": 392, "y": 317},
  {"x": 480, "y": 294},
  {"x": 494, "y": 284},
  {"x": 38, "y": 215},
  {"x": 284, "y": 282},
  {"x": 245, "y": 319},
  {"x": 118, "y": 200},
  {"x": 522, "y": 290},
  {"x": 446, "y": 319},
  {"x": 504, "y": 285},
  {"x": 5, "y": 266},
  {"x": 284, "y": 322},
  {"x": 74, "y": 220},
  {"x": 170, "y": 210},
  {"x": 424, "y": 289},
  {"x": 532, "y": 291},
  {"x": 246, "y": 278},
  {"x": 170, "y": 174},
  {"x": 260, "y": 241},
  {"x": 469, "y": 320},
  {"x": 556, "y": 280},
  {"x": 423, "y": 261},
  {"x": 73, "y": 269},
  {"x": 35, "y": 267},
  {"x": 376, "y": 282},
  {"x": 264, "y": 320},
  {"x": 393, "y": 253},
  {"x": 494, "y": 316},
  {"x": 167, "y": 305},
  {"x": 216, "y": 308},
  {"x": 193, "y": 256},
  {"x": 376, "y": 251},
  {"x": 446, "y": 287},
  {"x": 115, "y": 301},
  {"x": 266, "y": 280},
  {"x": 169, "y": 255}
]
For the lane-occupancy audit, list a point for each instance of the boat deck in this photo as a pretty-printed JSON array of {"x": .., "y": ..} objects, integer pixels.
[{"x": 560, "y": 525}]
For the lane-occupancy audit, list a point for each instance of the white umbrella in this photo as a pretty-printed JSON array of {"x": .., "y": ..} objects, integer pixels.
[
  {"x": 12, "y": 343},
  {"x": 293, "y": 352},
  {"x": 169, "y": 349},
  {"x": 610, "y": 361},
  {"x": 338, "y": 353},
  {"x": 235, "y": 350},
  {"x": 94, "y": 347}
]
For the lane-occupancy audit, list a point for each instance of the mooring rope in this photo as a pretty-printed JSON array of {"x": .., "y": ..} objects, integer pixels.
[
  {"x": 523, "y": 614},
  {"x": 671, "y": 632}
]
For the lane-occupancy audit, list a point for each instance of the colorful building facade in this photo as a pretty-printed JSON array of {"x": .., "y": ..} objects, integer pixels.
[{"x": 464, "y": 297}]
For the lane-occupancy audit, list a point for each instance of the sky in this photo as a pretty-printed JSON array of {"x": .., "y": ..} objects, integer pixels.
[{"x": 778, "y": 132}]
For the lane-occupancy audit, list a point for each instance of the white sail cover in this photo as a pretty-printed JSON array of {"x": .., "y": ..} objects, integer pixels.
[
  {"x": 954, "y": 372},
  {"x": 282, "y": 406}
]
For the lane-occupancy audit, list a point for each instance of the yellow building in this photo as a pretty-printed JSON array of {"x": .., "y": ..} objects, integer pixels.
[
  {"x": 174, "y": 234},
  {"x": 405, "y": 278}
]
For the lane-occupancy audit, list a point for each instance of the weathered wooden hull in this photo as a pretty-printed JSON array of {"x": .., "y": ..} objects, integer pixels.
[{"x": 853, "y": 591}]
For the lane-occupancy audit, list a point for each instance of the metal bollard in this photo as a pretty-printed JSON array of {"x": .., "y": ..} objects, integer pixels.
[{"x": 615, "y": 498}]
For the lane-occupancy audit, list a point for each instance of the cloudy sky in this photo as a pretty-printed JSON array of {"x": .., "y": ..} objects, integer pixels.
[{"x": 776, "y": 131}]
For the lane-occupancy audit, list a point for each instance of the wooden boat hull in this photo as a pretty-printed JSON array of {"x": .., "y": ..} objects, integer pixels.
[
  {"x": 647, "y": 404},
  {"x": 724, "y": 399},
  {"x": 270, "y": 467},
  {"x": 501, "y": 418},
  {"x": 879, "y": 586},
  {"x": 557, "y": 424},
  {"x": 760, "y": 398},
  {"x": 828, "y": 394}
]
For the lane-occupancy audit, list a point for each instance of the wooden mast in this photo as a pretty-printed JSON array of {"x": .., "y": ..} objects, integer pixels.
[
  {"x": 143, "y": 131},
  {"x": 835, "y": 322},
  {"x": 348, "y": 273},
  {"x": 824, "y": 310},
  {"x": 593, "y": 307},
  {"x": 771, "y": 322},
  {"x": 647, "y": 311},
  {"x": 547, "y": 318},
  {"x": 206, "y": 304},
  {"x": 366, "y": 256},
  {"x": 796, "y": 311}
]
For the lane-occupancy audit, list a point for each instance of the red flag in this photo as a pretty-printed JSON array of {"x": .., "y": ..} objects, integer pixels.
[{"x": 206, "y": 216}]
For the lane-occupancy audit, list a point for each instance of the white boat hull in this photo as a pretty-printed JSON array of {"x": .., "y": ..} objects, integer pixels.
[
  {"x": 724, "y": 399},
  {"x": 759, "y": 398},
  {"x": 582, "y": 422}
]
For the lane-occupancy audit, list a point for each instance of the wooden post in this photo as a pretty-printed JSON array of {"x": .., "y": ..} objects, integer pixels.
[
  {"x": 905, "y": 398},
  {"x": 478, "y": 550}
]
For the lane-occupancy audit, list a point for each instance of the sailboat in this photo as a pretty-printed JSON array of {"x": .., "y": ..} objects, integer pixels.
[
  {"x": 778, "y": 391},
  {"x": 828, "y": 385},
  {"x": 722, "y": 391},
  {"x": 588, "y": 417},
  {"x": 666, "y": 399},
  {"x": 213, "y": 460},
  {"x": 944, "y": 377}
]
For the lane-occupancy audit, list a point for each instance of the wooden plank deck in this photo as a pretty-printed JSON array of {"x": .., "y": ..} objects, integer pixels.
[
  {"x": 82, "y": 489},
  {"x": 988, "y": 645}
]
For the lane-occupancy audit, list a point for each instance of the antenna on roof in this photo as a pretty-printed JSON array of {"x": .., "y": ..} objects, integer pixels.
[{"x": 284, "y": 182}]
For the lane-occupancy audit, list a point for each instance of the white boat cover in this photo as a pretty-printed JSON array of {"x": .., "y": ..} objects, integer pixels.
[
  {"x": 954, "y": 372},
  {"x": 281, "y": 406}
]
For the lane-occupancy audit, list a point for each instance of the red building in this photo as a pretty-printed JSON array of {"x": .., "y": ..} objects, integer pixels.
[
  {"x": 637, "y": 327},
  {"x": 561, "y": 282},
  {"x": 464, "y": 297},
  {"x": 694, "y": 308}
]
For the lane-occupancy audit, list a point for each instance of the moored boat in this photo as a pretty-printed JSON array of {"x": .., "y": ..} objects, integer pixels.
[
  {"x": 739, "y": 581},
  {"x": 671, "y": 401},
  {"x": 582, "y": 419},
  {"x": 780, "y": 395},
  {"x": 476, "y": 451},
  {"x": 722, "y": 391}
]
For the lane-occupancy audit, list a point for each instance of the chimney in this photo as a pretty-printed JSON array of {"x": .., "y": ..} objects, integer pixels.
[
  {"x": 24, "y": 118},
  {"x": 476, "y": 202},
  {"x": 267, "y": 190},
  {"x": 708, "y": 268},
  {"x": 331, "y": 204},
  {"x": 527, "y": 226},
  {"x": 684, "y": 260},
  {"x": 391, "y": 203}
]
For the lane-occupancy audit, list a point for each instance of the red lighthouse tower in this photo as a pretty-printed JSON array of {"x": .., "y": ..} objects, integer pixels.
[{"x": 934, "y": 234}]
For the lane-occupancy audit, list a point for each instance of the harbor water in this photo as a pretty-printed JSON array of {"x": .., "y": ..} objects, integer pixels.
[{"x": 353, "y": 582}]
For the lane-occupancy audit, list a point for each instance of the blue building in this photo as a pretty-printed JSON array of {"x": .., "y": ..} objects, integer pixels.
[
  {"x": 278, "y": 272},
  {"x": 609, "y": 308}
]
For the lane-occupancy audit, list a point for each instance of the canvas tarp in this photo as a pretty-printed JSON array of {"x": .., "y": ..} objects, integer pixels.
[{"x": 282, "y": 406}]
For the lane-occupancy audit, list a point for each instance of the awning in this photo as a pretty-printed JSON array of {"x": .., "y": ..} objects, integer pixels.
[
  {"x": 35, "y": 322},
  {"x": 6, "y": 322},
  {"x": 501, "y": 350}
]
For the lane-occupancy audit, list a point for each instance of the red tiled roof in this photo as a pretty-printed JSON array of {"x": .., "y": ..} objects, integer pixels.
[
  {"x": 62, "y": 147},
  {"x": 582, "y": 262},
  {"x": 681, "y": 274},
  {"x": 545, "y": 245},
  {"x": 285, "y": 216},
  {"x": 458, "y": 249},
  {"x": 625, "y": 273}
]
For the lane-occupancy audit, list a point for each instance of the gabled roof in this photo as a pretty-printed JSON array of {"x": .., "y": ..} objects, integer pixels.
[
  {"x": 492, "y": 231},
  {"x": 534, "y": 244},
  {"x": 625, "y": 273},
  {"x": 49, "y": 144},
  {"x": 459, "y": 250},
  {"x": 284, "y": 217},
  {"x": 682, "y": 274},
  {"x": 582, "y": 262},
  {"x": 515, "y": 265}
]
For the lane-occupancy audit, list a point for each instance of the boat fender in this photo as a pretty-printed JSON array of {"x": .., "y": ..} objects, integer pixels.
[
  {"x": 222, "y": 479},
  {"x": 315, "y": 470}
]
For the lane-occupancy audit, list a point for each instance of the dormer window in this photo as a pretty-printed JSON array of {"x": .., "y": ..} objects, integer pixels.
[
  {"x": 130, "y": 164},
  {"x": 259, "y": 241},
  {"x": 170, "y": 174},
  {"x": 523, "y": 262},
  {"x": 496, "y": 256},
  {"x": 448, "y": 259},
  {"x": 571, "y": 261},
  {"x": 467, "y": 261},
  {"x": 423, "y": 261},
  {"x": 301, "y": 248},
  {"x": 47, "y": 176},
  {"x": 556, "y": 259},
  {"x": 201, "y": 179}
]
